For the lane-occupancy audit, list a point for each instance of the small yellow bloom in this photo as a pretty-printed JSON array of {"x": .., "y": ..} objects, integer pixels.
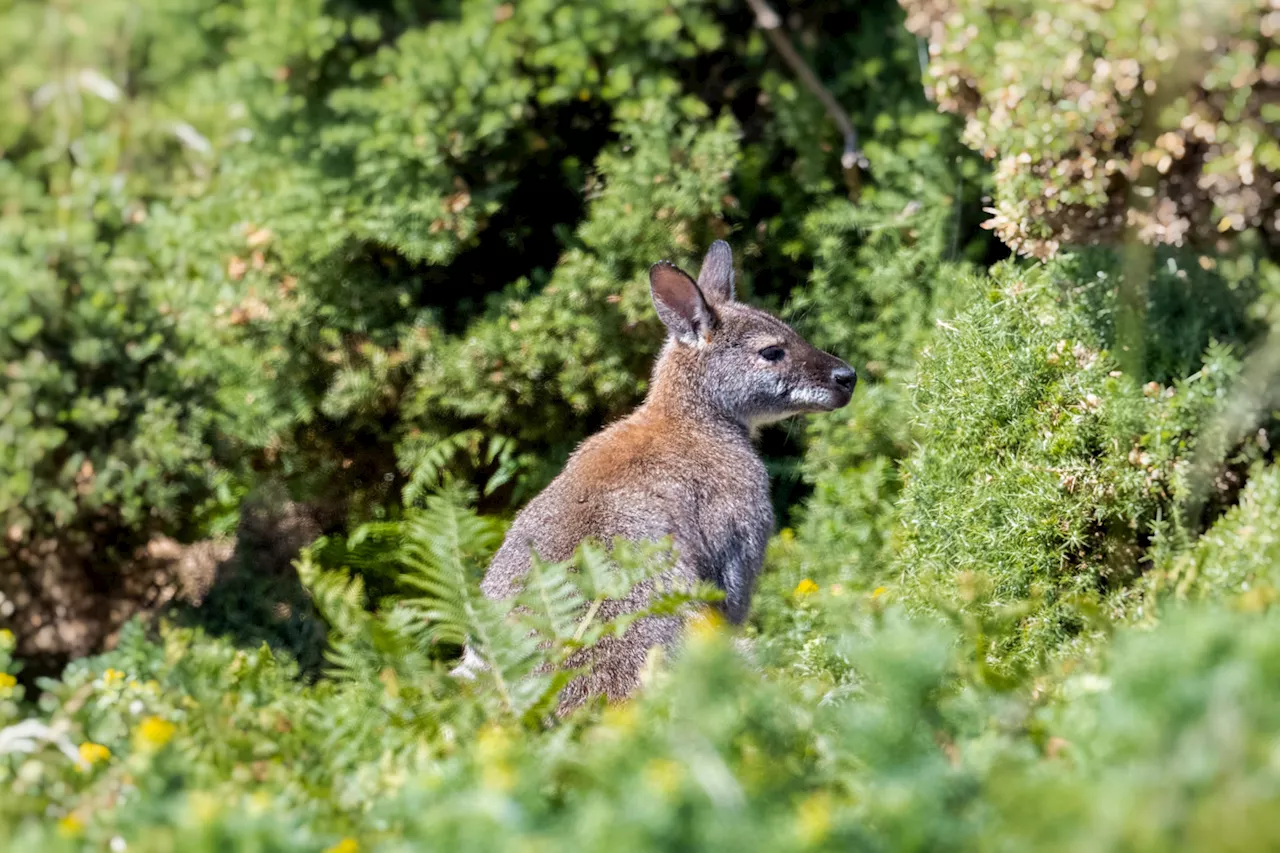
[
  {"x": 6, "y": 640},
  {"x": 7, "y": 682},
  {"x": 259, "y": 802},
  {"x": 1257, "y": 599},
  {"x": 620, "y": 716},
  {"x": 91, "y": 753},
  {"x": 813, "y": 818},
  {"x": 705, "y": 624},
  {"x": 663, "y": 775},
  {"x": 154, "y": 732},
  {"x": 498, "y": 776},
  {"x": 493, "y": 741},
  {"x": 70, "y": 826},
  {"x": 204, "y": 806},
  {"x": 112, "y": 677},
  {"x": 346, "y": 845},
  {"x": 493, "y": 744},
  {"x": 805, "y": 587},
  {"x": 879, "y": 591}
]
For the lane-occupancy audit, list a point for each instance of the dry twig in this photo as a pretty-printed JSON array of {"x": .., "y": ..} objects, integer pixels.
[{"x": 852, "y": 159}]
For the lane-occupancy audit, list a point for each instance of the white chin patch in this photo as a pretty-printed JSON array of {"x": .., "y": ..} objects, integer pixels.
[{"x": 808, "y": 398}]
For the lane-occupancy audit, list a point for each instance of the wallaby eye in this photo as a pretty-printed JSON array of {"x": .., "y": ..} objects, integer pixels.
[{"x": 772, "y": 353}]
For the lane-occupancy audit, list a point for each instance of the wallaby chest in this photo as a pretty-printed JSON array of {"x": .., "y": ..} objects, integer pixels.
[{"x": 708, "y": 491}]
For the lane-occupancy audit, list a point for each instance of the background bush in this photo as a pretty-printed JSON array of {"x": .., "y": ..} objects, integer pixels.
[
  {"x": 302, "y": 300},
  {"x": 1114, "y": 119}
]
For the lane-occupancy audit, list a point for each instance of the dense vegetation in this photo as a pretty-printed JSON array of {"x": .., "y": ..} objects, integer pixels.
[{"x": 299, "y": 301}]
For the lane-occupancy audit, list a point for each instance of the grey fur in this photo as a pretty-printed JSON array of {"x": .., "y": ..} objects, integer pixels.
[{"x": 683, "y": 464}]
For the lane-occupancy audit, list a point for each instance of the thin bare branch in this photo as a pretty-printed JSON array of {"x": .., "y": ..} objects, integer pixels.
[{"x": 852, "y": 159}]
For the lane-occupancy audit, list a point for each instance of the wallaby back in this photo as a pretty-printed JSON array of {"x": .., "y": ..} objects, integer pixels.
[{"x": 683, "y": 464}]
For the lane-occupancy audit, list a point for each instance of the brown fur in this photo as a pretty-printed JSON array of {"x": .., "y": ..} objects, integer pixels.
[{"x": 683, "y": 464}]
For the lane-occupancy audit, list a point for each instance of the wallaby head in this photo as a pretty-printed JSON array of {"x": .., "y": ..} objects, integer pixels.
[{"x": 738, "y": 362}]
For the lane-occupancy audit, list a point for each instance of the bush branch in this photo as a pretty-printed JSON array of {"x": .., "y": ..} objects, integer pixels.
[{"x": 852, "y": 159}]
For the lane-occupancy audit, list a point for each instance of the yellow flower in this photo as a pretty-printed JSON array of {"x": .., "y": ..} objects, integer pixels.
[
  {"x": 704, "y": 624},
  {"x": 154, "y": 732},
  {"x": 346, "y": 845},
  {"x": 91, "y": 753},
  {"x": 879, "y": 591},
  {"x": 620, "y": 716},
  {"x": 70, "y": 826},
  {"x": 493, "y": 741},
  {"x": 259, "y": 802},
  {"x": 6, "y": 640},
  {"x": 204, "y": 806},
  {"x": 498, "y": 776},
  {"x": 112, "y": 677},
  {"x": 7, "y": 682},
  {"x": 805, "y": 587},
  {"x": 663, "y": 775},
  {"x": 493, "y": 745},
  {"x": 813, "y": 818}
]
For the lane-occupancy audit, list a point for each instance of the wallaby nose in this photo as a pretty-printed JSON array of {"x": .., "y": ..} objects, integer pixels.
[{"x": 845, "y": 377}]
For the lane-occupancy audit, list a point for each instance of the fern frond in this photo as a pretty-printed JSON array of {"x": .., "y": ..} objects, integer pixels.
[
  {"x": 440, "y": 545},
  {"x": 510, "y": 651},
  {"x": 432, "y": 463},
  {"x": 613, "y": 571},
  {"x": 551, "y": 600},
  {"x": 339, "y": 596}
]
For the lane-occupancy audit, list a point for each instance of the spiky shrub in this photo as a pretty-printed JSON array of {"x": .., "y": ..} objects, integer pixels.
[
  {"x": 1111, "y": 119},
  {"x": 885, "y": 274},
  {"x": 1237, "y": 558},
  {"x": 1046, "y": 472},
  {"x": 381, "y": 336}
]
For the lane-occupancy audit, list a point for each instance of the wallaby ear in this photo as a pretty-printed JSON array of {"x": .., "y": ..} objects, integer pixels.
[
  {"x": 716, "y": 278},
  {"x": 681, "y": 306}
]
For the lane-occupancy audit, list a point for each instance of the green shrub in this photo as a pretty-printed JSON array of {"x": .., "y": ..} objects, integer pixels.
[
  {"x": 1237, "y": 558},
  {"x": 1168, "y": 748},
  {"x": 1046, "y": 472},
  {"x": 885, "y": 275},
  {"x": 106, "y": 423}
]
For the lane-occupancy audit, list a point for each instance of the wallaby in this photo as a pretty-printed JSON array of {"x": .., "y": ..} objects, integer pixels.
[{"x": 682, "y": 465}]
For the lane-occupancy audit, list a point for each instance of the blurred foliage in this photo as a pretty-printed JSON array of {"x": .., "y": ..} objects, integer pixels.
[
  {"x": 896, "y": 737},
  {"x": 1236, "y": 559}
]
